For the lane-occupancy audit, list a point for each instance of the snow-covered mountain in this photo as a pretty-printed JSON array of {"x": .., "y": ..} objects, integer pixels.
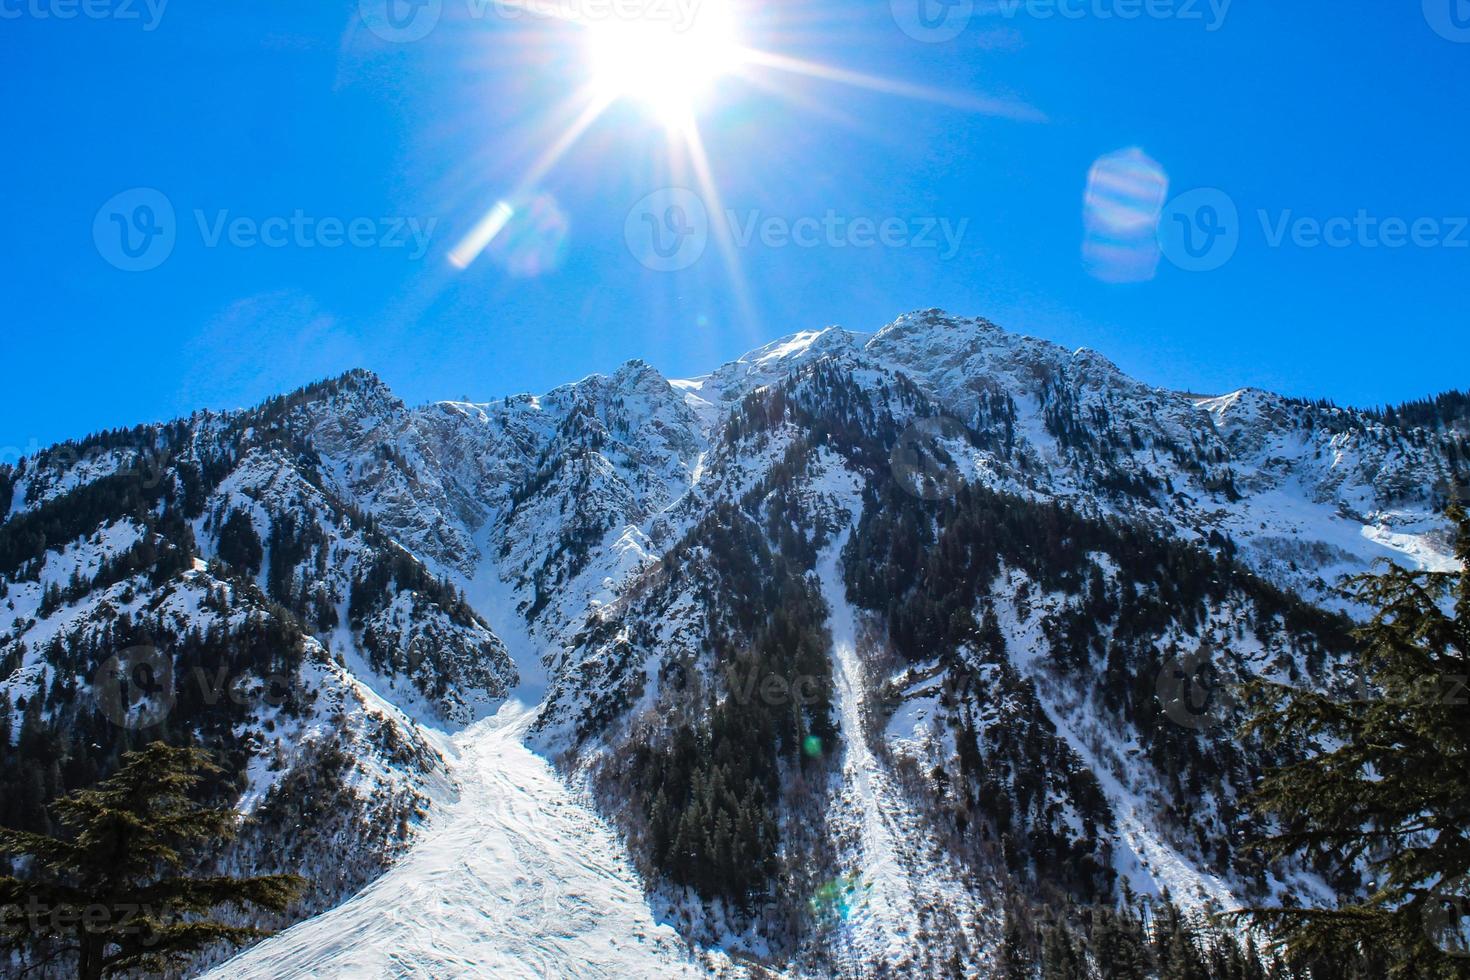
[{"x": 842, "y": 652}]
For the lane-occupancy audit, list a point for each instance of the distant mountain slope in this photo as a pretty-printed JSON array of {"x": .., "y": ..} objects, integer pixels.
[{"x": 857, "y": 641}]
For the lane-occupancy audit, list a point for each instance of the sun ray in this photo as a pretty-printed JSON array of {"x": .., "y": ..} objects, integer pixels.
[
  {"x": 770, "y": 86},
  {"x": 495, "y": 220},
  {"x": 548, "y": 9},
  {"x": 875, "y": 83},
  {"x": 719, "y": 225}
]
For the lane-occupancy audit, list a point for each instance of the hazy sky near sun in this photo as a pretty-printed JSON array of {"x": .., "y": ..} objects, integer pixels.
[{"x": 319, "y": 176}]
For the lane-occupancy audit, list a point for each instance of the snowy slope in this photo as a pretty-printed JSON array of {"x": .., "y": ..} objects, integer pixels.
[
  {"x": 896, "y": 877},
  {"x": 515, "y": 878},
  {"x": 556, "y": 518}
]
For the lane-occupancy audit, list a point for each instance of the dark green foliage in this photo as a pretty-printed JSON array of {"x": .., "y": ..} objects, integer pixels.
[
  {"x": 298, "y": 547},
  {"x": 711, "y": 825},
  {"x": 1448, "y": 410},
  {"x": 709, "y": 782},
  {"x": 59, "y": 521},
  {"x": 218, "y": 679},
  {"x": 923, "y": 566},
  {"x": 708, "y": 791},
  {"x": 389, "y": 570},
  {"x": 1142, "y": 939},
  {"x": 239, "y": 545},
  {"x": 232, "y": 679},
  {"x": 1387, "y": 785},
  {"x": 112, "y": 895}
]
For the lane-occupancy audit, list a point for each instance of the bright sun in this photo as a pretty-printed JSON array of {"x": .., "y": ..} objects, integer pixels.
[{"x": 667, "y": 58}]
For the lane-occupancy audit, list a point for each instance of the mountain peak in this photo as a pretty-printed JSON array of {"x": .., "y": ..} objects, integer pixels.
[
  {"x": 638, "y": 375},
  {"x": 800, "y": 344}
]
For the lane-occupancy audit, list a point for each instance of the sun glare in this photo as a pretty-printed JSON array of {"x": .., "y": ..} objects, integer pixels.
[
  {"x": 668, "y": 55},
  {"x": 667, "y": 62}
]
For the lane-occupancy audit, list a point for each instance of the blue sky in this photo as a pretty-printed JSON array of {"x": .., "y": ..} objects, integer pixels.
[{"x": 275, "y": 112}]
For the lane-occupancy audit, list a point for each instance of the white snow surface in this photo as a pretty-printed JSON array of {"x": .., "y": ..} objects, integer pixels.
[
  {"x": 896, "y": 875},
  {"x": 885, "y": 915},
  {"x": 514, "y": 878}
]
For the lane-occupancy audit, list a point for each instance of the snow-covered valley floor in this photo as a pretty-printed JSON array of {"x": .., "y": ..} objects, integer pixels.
[{"x": 516, "y": 878}]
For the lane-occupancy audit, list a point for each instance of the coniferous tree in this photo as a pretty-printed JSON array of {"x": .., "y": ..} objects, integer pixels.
[
  {"x": 239, "y": 545},
  {"x": 1386, "y": 787},
  {"x": 113, "y": 895}
]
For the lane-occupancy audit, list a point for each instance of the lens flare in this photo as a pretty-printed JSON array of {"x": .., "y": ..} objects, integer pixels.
[
  {"x": 533, "y": 241},
  {"x": 1125, "y": 195}
]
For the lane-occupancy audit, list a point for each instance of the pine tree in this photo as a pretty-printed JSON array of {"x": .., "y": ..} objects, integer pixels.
[
  {"x": 112, "y": 895},
  {"x": 1387, "y": 788}
]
